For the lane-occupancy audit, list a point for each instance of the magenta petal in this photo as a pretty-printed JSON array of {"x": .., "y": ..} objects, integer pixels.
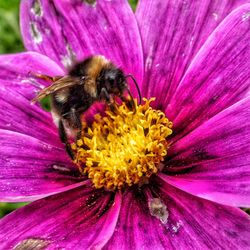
[
  {"x": 78, "y": 219},
  {"x": 16, "y": 71},
  {"x": 16, "y": 92},
  {"x": 218, "y": 76},
  {"x": 217, "y": 155},
  {"x": 76, "y": 29},
  {"x": 172, "y": 32},
  {"x": 31, "y": 168},
  {"x": 33, "y": 161},
  {"x": 43, "y": 32},
  {"x": 190, "y": 223}
]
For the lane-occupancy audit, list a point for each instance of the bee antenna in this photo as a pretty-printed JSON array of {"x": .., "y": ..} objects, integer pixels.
[
  {"x": 132, "y": 101},
  {"x": 136, "y": 84}
]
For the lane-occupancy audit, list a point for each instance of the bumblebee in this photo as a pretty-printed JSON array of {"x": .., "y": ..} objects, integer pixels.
[{"x": 93, "y": 80}]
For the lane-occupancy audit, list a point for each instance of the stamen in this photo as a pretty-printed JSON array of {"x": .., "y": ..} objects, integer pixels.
[{"x": 123, "y": 149}]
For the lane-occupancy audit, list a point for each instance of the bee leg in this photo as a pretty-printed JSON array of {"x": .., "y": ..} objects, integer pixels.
[
  {"x": 76, "y": 122},
  {"x": 46, "y": 77},
  {"x": 113, "y": 107},
  {"x": 129, "y": 102},
  {"x": 109, "y": 100},
  {"x": 64, "y": 139}
]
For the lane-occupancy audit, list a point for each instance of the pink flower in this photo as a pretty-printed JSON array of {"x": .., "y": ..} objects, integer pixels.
[{"x": 193, "y": 56}]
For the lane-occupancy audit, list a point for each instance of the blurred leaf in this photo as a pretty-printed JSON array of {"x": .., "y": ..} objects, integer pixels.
[
  {"x": 247, "y": 210},
  {"x": 133, "y": 4},
  {"x": 6, "y": 208},
  {"x": 9, "y": 4},
  {"x": 10, "y": 39},
  {"x": 45, "y": 103}
]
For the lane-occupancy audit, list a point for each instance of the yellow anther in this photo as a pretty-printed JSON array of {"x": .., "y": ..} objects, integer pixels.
[{"x": 123, "y": 149}]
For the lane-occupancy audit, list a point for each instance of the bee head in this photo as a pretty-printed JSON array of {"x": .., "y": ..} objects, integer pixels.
[{"x": 114, "y": 81}]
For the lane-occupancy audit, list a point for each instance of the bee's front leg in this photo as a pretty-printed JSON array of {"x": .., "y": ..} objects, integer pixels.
[
  {"x": 64, "y": 139},
  {"x": 76, "y": 123},
  {"x": 129, "y": 101},
  {"x": 109, "y": 100},
  {"x": 46, "y": 77}
]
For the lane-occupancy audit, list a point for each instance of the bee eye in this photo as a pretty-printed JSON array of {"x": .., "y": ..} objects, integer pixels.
[
  {"x": 111, "y": 81},
  {"x": 110, "y": 77}
]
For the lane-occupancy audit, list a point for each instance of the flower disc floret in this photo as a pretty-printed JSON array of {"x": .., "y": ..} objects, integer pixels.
[{"x": 123, "y": 148}]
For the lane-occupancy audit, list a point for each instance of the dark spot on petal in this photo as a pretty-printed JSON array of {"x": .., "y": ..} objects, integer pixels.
[
  {"x": 179, "y": 168},
  {"x": 140, "y": 225},
  {"x": 124, "y": 228},
  {"x": 231, "y": 234},
  {"x": 92, "y": 199},
  {"x": 140, "y": 197},
  {"x": 201, "y": 154},
  {"x": 31, "y": 244},
  {"x": 213, "y": 99},
  {"x": 108, "y": 206}
]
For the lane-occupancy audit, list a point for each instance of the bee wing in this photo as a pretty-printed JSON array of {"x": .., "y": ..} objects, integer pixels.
[{"x": 64, "y": 82}]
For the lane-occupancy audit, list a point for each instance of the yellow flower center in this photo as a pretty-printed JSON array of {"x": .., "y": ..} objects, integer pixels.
[{"x": 123, "y": 149}]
